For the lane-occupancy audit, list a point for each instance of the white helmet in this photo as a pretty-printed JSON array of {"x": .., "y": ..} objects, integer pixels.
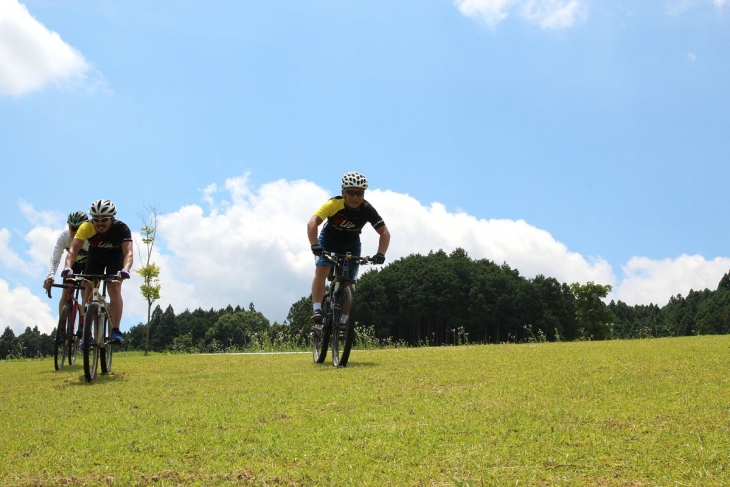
[
  {"x": 354, "y": 180},
  {"x": 102, "y": 208},
  {"x": 76, "y": 218}
]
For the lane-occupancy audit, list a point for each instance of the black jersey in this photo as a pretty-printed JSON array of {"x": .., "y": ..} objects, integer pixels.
[
  {"x": 345, "y": 224},
  {"x": 111, "y": 239}
]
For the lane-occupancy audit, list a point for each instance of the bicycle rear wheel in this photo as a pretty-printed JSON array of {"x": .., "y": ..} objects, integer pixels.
[
  {"x": 321, "y": 334},
  {"x": 91, "y": 348},
  {"x": 106, "y": 351},
  {"x": 343, "y": 334},
  {"x": 61, "y": 344}
]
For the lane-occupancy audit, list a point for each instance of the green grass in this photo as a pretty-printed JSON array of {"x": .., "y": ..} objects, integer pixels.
[{"x": 618, "y": 413}]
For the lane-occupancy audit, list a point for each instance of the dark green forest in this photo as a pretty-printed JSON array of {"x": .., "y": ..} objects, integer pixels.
[{"x": 430, "y": 300}]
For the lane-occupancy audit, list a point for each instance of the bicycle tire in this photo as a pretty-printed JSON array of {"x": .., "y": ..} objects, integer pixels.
[
  {"x": 321, "y": 334},
  {"x": 60, "y": 348},
  {"x": 106, "y": 351},
  {"x": 91, "y": 349},
  {"x": 73, "y": 340},
  {"x": 343, "y": 334}
]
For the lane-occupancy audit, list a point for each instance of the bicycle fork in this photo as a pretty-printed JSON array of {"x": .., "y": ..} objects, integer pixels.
[
  {"x": 98, "y": 332},
  {"x": 336, "y": 311}
]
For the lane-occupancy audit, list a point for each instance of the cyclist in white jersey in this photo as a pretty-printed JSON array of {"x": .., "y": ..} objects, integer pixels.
[{"x": 63, "y": 242}]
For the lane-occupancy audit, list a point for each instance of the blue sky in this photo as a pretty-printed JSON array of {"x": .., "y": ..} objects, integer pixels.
[{"x": 580, "y": 139}]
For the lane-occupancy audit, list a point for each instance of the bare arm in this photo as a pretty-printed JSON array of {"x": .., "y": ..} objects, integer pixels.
[
  {"x": 128, "y": 251},
  {"x": 312, "y": 226},
  {"x": 384, "y": 240}
]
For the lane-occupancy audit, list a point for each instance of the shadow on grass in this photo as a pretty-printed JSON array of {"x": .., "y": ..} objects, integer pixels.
[
  {"x": 350, "y": 365},
  {"x": 355, "y": 365},
  {"x": 100, "y": 379}
]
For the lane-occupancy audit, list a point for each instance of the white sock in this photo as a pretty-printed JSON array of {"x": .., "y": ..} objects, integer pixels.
[
  {"x": 317, "y": 306},
  {"x": 343, "y": 319}
]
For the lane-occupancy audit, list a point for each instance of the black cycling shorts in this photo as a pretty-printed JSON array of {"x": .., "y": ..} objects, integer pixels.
[{"x": 100, "y": 261}]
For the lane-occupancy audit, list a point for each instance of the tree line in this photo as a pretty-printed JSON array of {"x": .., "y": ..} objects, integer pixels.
[{"x": 429, "y": 300}]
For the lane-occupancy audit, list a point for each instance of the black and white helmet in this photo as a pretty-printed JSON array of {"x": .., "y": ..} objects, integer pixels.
[
  {"x": 102, "y": 208},
  {"x": 354, "y": 180},
  {"x": 77, "y": 218}
]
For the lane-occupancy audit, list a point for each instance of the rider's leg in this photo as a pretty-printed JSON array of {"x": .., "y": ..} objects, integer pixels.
[
  {"x": 318, "y": 284},
  {"x": 115, "y": 302},
  {"x": 64, "y": 297}
]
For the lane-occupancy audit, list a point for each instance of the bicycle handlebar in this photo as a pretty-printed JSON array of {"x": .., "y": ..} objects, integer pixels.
[
  {"x": 77, "y": 278},
  {"x": 100, "y": 277},
  {"x": 74, "y": 285},
  {"x": 334, "y": 257}
]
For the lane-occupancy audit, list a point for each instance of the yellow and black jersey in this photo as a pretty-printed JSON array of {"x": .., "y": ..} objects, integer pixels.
[
  {"x": 111, "y": 239},
  {"x": 345, "y": 224}
]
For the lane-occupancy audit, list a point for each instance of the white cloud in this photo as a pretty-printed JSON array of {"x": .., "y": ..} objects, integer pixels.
[
  {"x": 419, "y": 229},
  {"x": 10, "y": 259},
  {"x": 678, "y": 7},
  {"x": 42, "y": 240},
  {"x": 554, "y": 14},
  {"x": 654, "y": 281},
  {"x": 38, "y": 217},
  {"x": 250, "y": 249},
  {"x": 548, "y": 14},
  {"x": 20, "y": 309},
  {"x": 490, "y": 11},
  {"x": 32, "y": 56},
  {"x": 250, "y": 245}
]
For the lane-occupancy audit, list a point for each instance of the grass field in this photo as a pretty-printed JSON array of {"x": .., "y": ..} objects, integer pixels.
[{"x": 616, "y": 413}]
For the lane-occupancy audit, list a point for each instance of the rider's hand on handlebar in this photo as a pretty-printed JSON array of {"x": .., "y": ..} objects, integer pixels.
[
  {"x": 67, "y": 272},
  {"x": 47, "y": 283},
  {"x": 378, "y": 258},
  {"x": 123, "y": 274},
  {"x": 317, "y": 250}
]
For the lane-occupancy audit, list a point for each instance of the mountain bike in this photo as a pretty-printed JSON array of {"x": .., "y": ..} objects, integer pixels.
[
  {"x": 96, "y": 342},
  {"x": 67, "y": 343},
  {"x": 339, "y": 301}
]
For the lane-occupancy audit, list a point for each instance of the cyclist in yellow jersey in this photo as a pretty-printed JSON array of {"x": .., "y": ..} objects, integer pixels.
[
  {"x": 345, "y": 217},
  {"x": 110, "y": 252}
]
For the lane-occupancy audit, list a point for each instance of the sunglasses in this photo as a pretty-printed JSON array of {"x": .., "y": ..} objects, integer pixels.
[
  {"x": 73, "y": 229},
  {"x": 352, "y": 192},
  {"x": 101, "y": 220}
]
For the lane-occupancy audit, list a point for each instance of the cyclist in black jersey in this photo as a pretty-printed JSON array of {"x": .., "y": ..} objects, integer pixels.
[
  {"x": 345, "y": 217},
  {"x": 110, "y": 252}
]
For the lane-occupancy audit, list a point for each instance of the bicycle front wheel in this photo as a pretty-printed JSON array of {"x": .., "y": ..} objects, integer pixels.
[
  {"x": 106, "y": 351},
  {"x": 61, "y": 343},
  {"x": 73, "y": 340},
  {"x": 343, "y": 334},
  {"x": 90, "y": 343},
  {"x": 321, "y": 334}
]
